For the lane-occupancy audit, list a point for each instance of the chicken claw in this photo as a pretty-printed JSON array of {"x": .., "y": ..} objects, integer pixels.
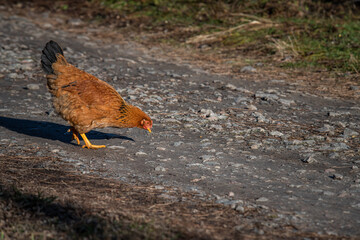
[
  {"x": 88, "y": 144},
  {"x": 75, "y": 135}
]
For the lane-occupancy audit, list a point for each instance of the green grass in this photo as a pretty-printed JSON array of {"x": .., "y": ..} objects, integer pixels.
[{"x": 313, "y": 40}]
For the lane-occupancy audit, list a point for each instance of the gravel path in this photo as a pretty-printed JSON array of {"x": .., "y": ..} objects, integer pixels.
[{"x": 247, "y": 144}]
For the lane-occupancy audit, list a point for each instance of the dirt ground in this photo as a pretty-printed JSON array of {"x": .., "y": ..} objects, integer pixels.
[{"x": 263, "y": 154}]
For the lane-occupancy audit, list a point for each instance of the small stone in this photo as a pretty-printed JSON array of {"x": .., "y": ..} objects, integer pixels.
[
  {"x": 348, "y": 133},
  {"x": 259, "y": 117},
  {"x": 255, "y": 146},
  {"x": 160, "y": 148},
  {"x": 230, "y": 86},
  {"x": 326, "y": 128},
  {"x": 33, "y": 86},
  {"x": 334, "y": 114},
  {"x": 159, "y": 187},
  {"x": 176, "y": 144},
  {"x": 330, "y": 170},
  {"x": 251, "y": 107},
  {"x": 356, "y": 205},
  {"x": 207, "y": 157},
  {"x": 140, "y": 153},
  {"x": 276, "y": 133},
  {"x": 286, "y": 102},
  {"x": 266, "y": 96},
  {"x": 354, "y": 88},
  {"x": 309, "y": 159},
  {"x": 248, "y": 69},
  {"x": 160, "y": 169},
  {"x": 116, "y": 147},
  {"x": 240, "y": 209},
  {"x": 337, "y": 176},
  {"x": 231, "y": 194},
  {"x": 262, "y": 199},
  {"x": 328, "y": 193},
  {"x": 75, "y": 22}
]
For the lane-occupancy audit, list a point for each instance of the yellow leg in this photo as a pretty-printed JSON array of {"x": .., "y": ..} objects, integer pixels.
[
  {"x": 88, "y": 144},
  {"x": 75, "y": 135}
]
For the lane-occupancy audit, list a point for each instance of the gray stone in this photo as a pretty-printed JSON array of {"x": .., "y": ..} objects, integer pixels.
[
  {"x": 348, "y": 133},
  {"x": 230, "y": 87},
  {"x": 160, "y": 169},
  {"x": 33, "y": 86},
  {"x": 240, "y": 209},
  {"x": 248, "y": 69},
  {"x": 262, "y": 199},
  {"x": 116, "y": 147},
  {"x": 286, "y": 102},
  {"x": 309, "y": 159},
  {"x": 266, "y": 96},
  {"x": 326, "y": 128},
  {"x": 251, "y": 107},
  {"x": 338, "y": 176},
  {"x": 176, "y": 144},
  {"x": 140, "y": 153},
  {"x": 276, "y": 133},
  {"x": 207, "y": 157}
]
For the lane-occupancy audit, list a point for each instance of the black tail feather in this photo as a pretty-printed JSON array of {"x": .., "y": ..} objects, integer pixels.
[{"x": 48, "y": 56}]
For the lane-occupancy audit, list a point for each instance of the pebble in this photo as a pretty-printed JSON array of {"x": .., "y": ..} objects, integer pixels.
[
  {"x": 334, "y": 114},
  {"x": 286, "y": 102},
  {"x": 33, "y": 86},
  {"x": 335, "y": 147},
  {"x": 160, "y": 148},
  {"x": 309, "y": 159},
  {"x": 276, "y": 133},
  {"x": 176, "y": 144},
  {"x": 116, "y": 147},
  {"x": 251, "y": 107},
  {"x": 337, "y": 176},
  {"x": 266, "y": 96},
  {"x": 248, "y": 69},
  {"x": 240, "y": 209},
  {"x": 207, "y": 157},
  {"x": 326, "y": 128},
  {"x": 356, "y": 205},
  {"x": 140, "y": 153},
  {"x": 354, "y": 87},
  {"x": 348, "y": 133},
  {"x": 255, "y": 146},
  {"x": 262, "y": 199},
  {"x": 259, "y": 117},
  {"x": 230, "y": 87},
  {"x": 160, "y": 169}
]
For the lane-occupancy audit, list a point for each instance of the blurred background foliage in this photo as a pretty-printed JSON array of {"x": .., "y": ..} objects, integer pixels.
[
  {"x": 298, "y": 33},
  {"x": 313, "y": 34}
]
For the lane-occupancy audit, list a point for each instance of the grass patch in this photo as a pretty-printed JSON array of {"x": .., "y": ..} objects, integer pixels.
[{"x": 324, "y": 34}]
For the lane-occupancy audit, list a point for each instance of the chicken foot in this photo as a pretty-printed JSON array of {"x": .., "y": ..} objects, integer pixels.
[
  {"x": 75, "y": 135},
  {"x": 88, "y": 144}
]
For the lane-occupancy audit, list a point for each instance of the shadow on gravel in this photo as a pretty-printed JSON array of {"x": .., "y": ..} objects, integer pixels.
[
  {"x": 73, "y": 222},
  {"x": 49, "y": 130}
]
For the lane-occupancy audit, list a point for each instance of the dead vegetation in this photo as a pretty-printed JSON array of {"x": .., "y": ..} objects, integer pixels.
[{"x": 43, "y": 198}]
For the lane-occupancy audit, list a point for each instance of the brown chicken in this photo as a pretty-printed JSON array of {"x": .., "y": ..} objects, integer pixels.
[{"x": 85, "y": 101}]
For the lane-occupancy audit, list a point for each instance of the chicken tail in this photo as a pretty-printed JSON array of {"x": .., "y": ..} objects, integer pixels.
[{"x": 51, "y": 53}]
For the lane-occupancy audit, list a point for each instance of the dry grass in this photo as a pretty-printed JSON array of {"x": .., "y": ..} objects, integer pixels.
[{"x": 41, "y": 197}]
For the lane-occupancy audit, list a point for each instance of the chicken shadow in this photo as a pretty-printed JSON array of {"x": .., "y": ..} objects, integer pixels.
[{"x": 49, "y": 130}]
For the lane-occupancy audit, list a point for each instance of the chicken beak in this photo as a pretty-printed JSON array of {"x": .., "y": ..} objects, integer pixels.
[{"x": 149, "y": 130}]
